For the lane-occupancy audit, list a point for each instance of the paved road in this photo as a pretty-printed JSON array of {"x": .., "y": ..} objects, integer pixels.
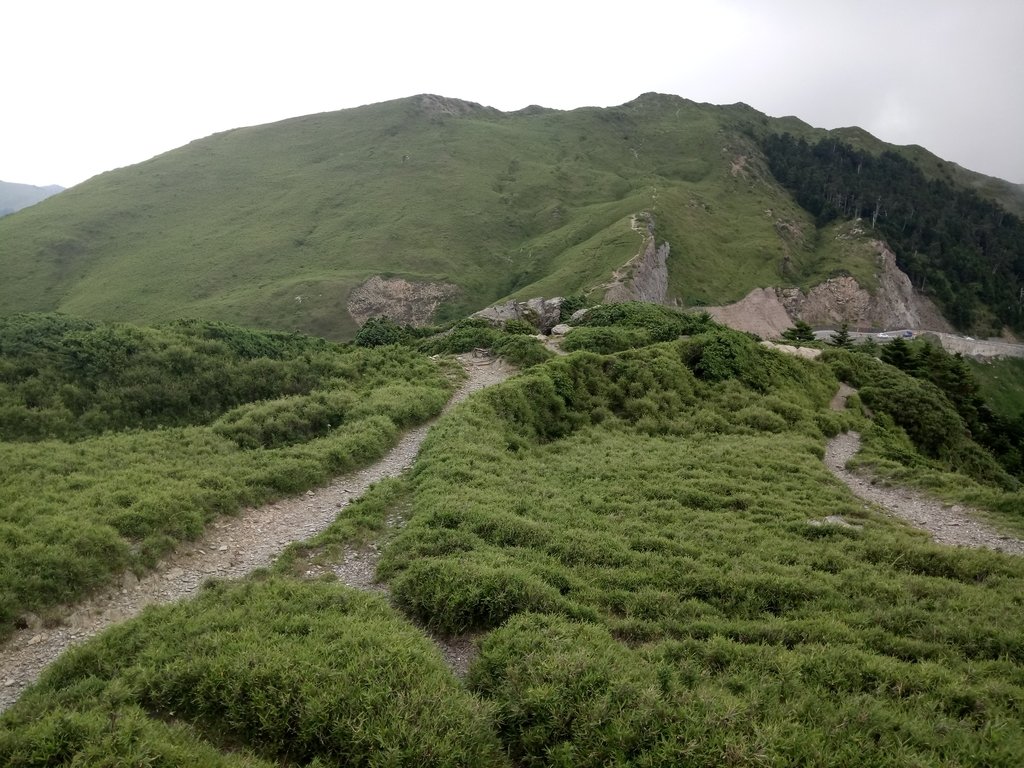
[{"x": 965, "y": 345}]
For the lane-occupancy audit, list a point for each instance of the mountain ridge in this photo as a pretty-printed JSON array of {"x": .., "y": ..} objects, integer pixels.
[
  {"x": 15, "y": 196},
  {"x": 277, "y": 225}
]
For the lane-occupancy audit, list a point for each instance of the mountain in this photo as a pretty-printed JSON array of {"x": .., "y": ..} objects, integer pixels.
[
  {"x": 429, "y": 208},
  {"x": 14, "y": 197}
]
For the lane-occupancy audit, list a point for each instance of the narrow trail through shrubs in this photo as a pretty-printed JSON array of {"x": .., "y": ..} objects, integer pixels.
[
  {"x": 231, "y": 548},
  {"x": 947, "y": 523}
]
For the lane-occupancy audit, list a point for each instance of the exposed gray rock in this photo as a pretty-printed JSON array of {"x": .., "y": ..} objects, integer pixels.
[
  {"x": 403, "y": 301},
  {"x": 895, "y": 304},
  {"x": 832, "y": 520},
  {"x": 642, "y": 278},
  {"x": 539, "y": 312}
]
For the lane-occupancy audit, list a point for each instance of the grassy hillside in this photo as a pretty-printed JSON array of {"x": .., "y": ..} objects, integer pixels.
[
  {"x": 274, "y": 225},
  {"x": 1002, "y": 385},
  {"x": 117, "y": 442},
  {"x": 633, "y": 538}
]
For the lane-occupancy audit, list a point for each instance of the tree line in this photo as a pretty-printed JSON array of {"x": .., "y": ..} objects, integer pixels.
[{"x": 961, "y": 249}]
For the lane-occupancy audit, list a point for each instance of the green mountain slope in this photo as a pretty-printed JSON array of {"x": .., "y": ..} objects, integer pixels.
[{"x": 276, "y": 225}]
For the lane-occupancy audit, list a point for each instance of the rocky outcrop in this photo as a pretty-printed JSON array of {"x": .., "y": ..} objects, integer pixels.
[
  {"x": 808, "y": 353},
  {"x": 895, "y": 304},
  {"x": 405, "y": 302},
  {"x": 642, "y": 278},
  {"x": 542, "y": 313}
]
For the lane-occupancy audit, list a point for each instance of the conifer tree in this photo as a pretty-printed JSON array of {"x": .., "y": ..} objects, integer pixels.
[
  {"x": 842, "y": 338},
  {"x": 800, "y": 331}
]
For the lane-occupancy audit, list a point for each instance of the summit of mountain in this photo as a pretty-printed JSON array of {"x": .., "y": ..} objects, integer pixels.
[{"x": 439, "y": 206}]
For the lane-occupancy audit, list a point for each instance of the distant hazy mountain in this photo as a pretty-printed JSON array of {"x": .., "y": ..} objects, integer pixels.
[
  {"x": 435, "y": 207},
  {"x": 14, "y": 197}
]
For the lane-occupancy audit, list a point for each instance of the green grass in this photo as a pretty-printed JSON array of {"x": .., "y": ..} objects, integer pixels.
[
  {"x": 265, "y": 672},
  {"x": 633, "y": 532},
  {"x": 76, "y": 512},
  {"x": 273, "y": 226},
  {"x": 1002, "y": 385},
  {"x": 658, "y": 596}
]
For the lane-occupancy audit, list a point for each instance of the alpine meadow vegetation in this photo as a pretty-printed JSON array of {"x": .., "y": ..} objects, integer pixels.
[
  {"x": 638, "y": 542},
  {"x": 120, "y": 441}
]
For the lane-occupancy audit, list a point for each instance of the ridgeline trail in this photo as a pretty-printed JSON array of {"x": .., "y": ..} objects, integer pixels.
[{"x": 229, "y": 548}]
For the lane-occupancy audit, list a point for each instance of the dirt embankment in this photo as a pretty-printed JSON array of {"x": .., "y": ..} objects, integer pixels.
[
  {"x": 760, "y": 312},
  {"x": 895, "y": 304}
]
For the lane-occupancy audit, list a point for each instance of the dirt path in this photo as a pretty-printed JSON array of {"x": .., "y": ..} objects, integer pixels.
[
  {"x": 947, "y": 523},
  {"x": 229, "y": 548},
  {"x": 842, "y": 394}
]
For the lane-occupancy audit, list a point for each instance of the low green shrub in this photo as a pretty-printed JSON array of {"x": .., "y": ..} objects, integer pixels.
[
  {"x": 605, "y": 340},
  {"x": 662, "y": 323},
  {"x": 465, "y": 336},
  {"x": 76, "y": 514},
  {"x": 379, "y": 332},
  {"x": 81, "y": 378},
  {"x": 452, "y": 597},
  {"x": 523, "y": 351},
  {"x": 519, "y": 327},
  {"x": 283, "y": 671}
]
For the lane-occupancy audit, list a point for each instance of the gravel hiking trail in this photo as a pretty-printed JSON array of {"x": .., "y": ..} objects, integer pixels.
[
  {"x": 950, "y": 524},
  {"x": 230, "y": 548}
]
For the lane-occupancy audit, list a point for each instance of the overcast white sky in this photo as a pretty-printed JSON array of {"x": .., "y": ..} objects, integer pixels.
[{"x": 93, "y": 85}]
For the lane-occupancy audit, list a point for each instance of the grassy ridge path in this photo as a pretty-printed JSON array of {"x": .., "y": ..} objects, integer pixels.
[
  {"x": 230, "y": 548},
  {"x": 947, "y": 523}
]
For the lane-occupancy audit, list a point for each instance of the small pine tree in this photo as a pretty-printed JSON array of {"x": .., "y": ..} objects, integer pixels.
[
  {"x": 800, "y": 331},
  {"x": 899, "y": 354},
  {"x": 842, "y": 338}
]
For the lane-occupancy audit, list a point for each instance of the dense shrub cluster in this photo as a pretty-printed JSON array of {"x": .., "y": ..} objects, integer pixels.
[
  {"x": 516, "y": 343},
  {"x": 663, "y": 323},
  {"x": 67, "y": 379}
]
